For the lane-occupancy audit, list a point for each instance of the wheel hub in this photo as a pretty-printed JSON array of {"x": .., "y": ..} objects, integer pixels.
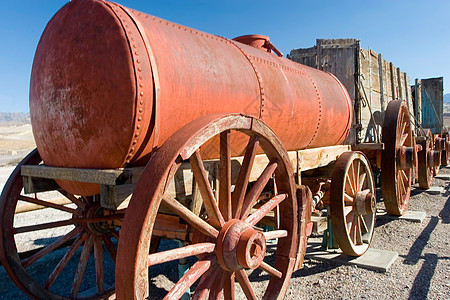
[
  {"x": 405, "y": 157},
  {"x": 89, "y": 214},
  {"x": 433, "y": 158},
  {"x": 240, "y": 246},
  {"x": 365, "y": 202}
]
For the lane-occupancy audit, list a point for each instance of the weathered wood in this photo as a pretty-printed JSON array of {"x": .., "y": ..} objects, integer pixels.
[
  {"x": 100, "y": 176},
  {"x": 319, "y": 157},
  {"x": 26, "y": 207},
  {"x": 33, "y": 185},
  {"x": 368, "y": 146}
]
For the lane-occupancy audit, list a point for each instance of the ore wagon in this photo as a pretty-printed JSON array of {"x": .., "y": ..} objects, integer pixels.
[
  {"x": 375, "y": 86},
  {"x": 152, "y": 130}
]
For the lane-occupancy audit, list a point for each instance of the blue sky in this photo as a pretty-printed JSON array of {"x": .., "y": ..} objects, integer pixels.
[{"x": 414, "y": 35}]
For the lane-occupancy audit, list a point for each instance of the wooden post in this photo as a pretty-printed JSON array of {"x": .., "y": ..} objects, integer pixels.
[
  {"x": 380, "y": 65},
  {"x": 399, "y": 80},
  {"x": 418, "y": 101},
  {"x": 392, "y": 81}
]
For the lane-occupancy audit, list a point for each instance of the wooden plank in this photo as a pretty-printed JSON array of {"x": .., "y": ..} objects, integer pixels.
[
  {"x": 368, "y": 146},
  {"x": 33, "y": 185},
  {"x": 100, "y": 176},
  {"x": 401, "y": 90},
  {"x": 380, "y": 75},
  {"x": 319, "y": 157},
  {"x": 392, "y": 76},
  {"x": 418, "y": 101},
  {"x": 432, "y": 104}
]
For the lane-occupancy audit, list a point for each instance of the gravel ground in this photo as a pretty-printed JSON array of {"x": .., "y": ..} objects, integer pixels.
[{"x": 422, "y": 270}]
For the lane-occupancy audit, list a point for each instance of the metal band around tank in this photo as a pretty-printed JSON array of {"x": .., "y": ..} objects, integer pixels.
[{"x": 141, "y": 62}]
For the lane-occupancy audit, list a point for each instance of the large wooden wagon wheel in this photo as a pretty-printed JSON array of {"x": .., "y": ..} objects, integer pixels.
[
  {"x": 397, "y": 158},
  {"x": 426, "y": 158},
  {"x": 76, "y": 245},
  {"x": 226, "y": 244},
  {"x": 353, "y": 203}
]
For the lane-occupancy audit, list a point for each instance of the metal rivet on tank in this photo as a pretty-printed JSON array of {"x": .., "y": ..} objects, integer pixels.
[
  {"x": 138, "y": 127},
  {"x": 136, "y": 134},
  {"x": 137, "y": 53},
  {"x": 141, "y": 110},
  {"x": 134, "y": 142},
  {"x": 139, "y": 119},
  {"x": 141, "y": 102},
  {"x": 138, "y": 61},
  {"x": 141, "y": 93},
  {"x": 141, "y": 85}
]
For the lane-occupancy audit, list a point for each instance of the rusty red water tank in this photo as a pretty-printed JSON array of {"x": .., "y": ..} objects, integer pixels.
[{"x": 109, "y": 85}]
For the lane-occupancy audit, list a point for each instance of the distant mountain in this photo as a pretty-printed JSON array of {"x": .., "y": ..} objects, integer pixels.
[
  {"x": 447, "y": 98},
  {"x": 14, "y": 118}
]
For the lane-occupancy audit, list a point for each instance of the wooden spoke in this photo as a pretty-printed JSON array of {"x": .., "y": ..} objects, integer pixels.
[
  {"x": 110, "y": 247},
  {"x": 403, "y": 139},
  {"x": 43, "y": 226},
  {"x": 348, "y": 186},
  {"x": 362, "y": 179},
  {"x": 352, "y": 230},
  {"x": 352, "y": 177},
  {"x": 271, "y": 270},
  {"x": 348, "y": 212},
  {"x": 98, "y": 258},
  {"x": 364, "y": 228},
  {"x": 82, "y": 264},
  {"x": 49, "y": 248},
  {"x": 216, "y": 290},
  {"x": 190, "y": 217},
  {"x": 237, "y": 199},
  {"x": 178, "y": 253},
  {"x": 73, "y": 198},
  {"x": 206, "y": 282},
  {"x": 63, "y": 262},
  {"x": 245, "y": 284},
  {"x": 401, "y": 183},
  {"x": 257, "y": 216},
  {"x": 194, "y": 273},
  {"x": 201, "y": 177},
  {"x": 115, "y": 234},
  {"x": 257, "y": 189},
  {"x": 275, "y": 234},
  {"x": 348, "y": 199},
  {"x": 356, "y": 176},
  {"x": 225, "y": 176},
  {"x": 358, "y": 234},
  {"x": 49, "y": 204},
  {"x": 228, "y": 286}
]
